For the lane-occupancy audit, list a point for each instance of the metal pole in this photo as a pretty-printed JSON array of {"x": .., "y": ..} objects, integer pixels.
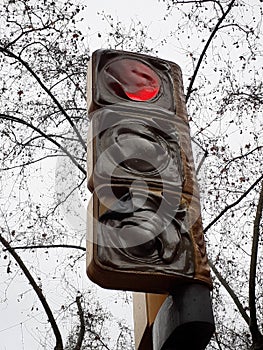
[{"x": 185, "y": 320}]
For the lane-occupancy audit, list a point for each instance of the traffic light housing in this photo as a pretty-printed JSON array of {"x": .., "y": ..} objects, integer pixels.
[{"x": 144, "y": 223}]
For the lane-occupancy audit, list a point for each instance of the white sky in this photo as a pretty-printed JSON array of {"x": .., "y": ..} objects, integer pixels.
[
  {"x": 17, "y": 327},
  {"x": 150, "y": 13}
]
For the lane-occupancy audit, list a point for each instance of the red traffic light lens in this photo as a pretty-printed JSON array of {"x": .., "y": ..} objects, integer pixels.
[{"x": 132, "y": 79}]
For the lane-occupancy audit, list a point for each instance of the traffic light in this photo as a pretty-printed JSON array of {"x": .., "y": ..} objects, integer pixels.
[{"x": 144, "y": 223}]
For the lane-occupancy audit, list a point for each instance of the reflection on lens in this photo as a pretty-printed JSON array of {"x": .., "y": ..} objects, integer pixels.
[{"x": 132, "y": 79}]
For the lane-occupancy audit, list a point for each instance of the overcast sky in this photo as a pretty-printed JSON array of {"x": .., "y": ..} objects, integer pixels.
[
  {"x": 16, "y": 325},
  {"x": 149, "y": 12}
]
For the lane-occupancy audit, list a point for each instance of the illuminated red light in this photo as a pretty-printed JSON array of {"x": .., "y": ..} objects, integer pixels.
[{"x": 133, "y": 79}]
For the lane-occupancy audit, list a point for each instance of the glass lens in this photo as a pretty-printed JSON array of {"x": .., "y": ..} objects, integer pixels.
[{"x": 132, "y": 79}]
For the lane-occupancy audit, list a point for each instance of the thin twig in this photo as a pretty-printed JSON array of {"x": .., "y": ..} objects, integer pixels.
[
  {"x": 201, "y": 57},
  {"x": 46, "y": 136},
  {"x": 230, "y": 292},
  {"x": 99, "y": 338},
  {"x": 43, "y": 86},
  {"x": 232, "y": 204},
  {"x": 38, "y": 290},
  {"x": 43, "y": 246}
]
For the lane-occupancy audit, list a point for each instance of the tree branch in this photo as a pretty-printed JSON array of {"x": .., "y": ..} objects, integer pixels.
[
  {"x": 65, "y": 199},
  {"x": 43, "y": 246},
  {"x": 256, "y": 335},
  {"x": 197, "y": 2},
  {"x": 230, "y": 292},
  {"x": 38, "y": 290},
  {"x": 11, "y": 43},
  {"x": 99, "y": 339},
  {"x": 32, "y": 162},
  {"x": 46, "y": 136},
  {"x": 62, "y": 110},
  {"x": 243, "y": 155},
  {"x": 82, "y": 325},
  {"x": 232, "y": 204},
  {"x": 201, "y": 57},
  {"x": 201, "y": 162},
  {"x": 217, "y": 341}
]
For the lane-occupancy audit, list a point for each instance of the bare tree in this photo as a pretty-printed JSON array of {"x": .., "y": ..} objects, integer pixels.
[
  {"x": 223, "y": 107},
  {"x": 43, "y": 118},
  {"x": 43, "y": 125}
]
